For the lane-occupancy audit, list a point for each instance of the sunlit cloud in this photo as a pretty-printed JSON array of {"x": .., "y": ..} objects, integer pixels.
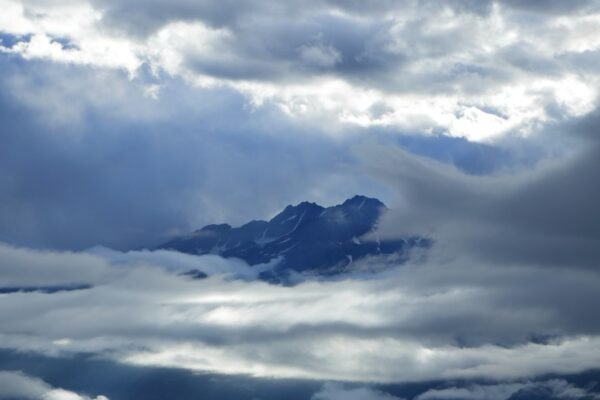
[{"x": 435, "y": 68}]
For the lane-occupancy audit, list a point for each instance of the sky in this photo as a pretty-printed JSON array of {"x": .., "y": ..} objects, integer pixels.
[{"x": 126, "y": 123}]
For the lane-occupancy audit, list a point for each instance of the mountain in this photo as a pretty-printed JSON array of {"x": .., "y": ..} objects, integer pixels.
[{"x": 305, "y": 238}]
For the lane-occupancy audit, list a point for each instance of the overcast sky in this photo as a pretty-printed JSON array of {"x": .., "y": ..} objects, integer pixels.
[{"x": 126, "y": 122}]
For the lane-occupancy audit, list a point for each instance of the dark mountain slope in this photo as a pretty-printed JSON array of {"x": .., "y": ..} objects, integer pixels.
[{"x": 305, "y": 237}]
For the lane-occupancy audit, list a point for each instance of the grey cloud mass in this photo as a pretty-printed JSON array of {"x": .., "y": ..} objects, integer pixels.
[
  {"x": 151, "y": 16},
  {"x": 401, "y": 47},
  {"x": 438, "y": 66},
  {"x": 545, "y": 216},
  {"x": 106, "y": 165}
]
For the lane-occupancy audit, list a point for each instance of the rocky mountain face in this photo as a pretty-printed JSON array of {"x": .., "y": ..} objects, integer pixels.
[{"x": 302, "y": 238}]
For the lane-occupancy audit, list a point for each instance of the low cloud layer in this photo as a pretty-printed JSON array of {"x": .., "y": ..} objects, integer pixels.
[
  {"x": 421, "y": 321},
  {"x": 16, "y": 385},
  {"x": 551, "y": 389},
  {"x": 339, "y": 392}
]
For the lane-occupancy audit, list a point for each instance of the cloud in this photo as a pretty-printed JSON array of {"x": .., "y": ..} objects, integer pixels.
[
  {"x": 419, "y": 322},
  {"x": 24, "y": 267},
  {"x": 181, "y": 263},
  {"x": 548, "y": 389},
  {"x": 426, "y": 60},
  {"x": 109, "y": 165},
  {"x": 122, "y": 125},
  {"x": 554, "y": 6},
  {"x": 27, "y": 268},
  {"x": 490, "y": 392},
  {"x": 338, "y": 392},
  {"x": 544, "y": 216},
  {"x": 15, "y": 384},
  {"x": 551, "y": 389},
  {"x": 90, "y": 160},
  {"x": 319, "y": 56}
]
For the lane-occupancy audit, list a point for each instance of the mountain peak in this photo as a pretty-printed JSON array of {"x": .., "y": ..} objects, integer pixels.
[
  {"x": 360, "y": 200},
  {"x": 302, "y": 205},
  {"x": 215, "y": 227},
  {"x": 304, "y": 237}
]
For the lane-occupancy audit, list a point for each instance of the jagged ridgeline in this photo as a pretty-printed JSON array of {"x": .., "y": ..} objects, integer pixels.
[{"x": 303, "y": 238}]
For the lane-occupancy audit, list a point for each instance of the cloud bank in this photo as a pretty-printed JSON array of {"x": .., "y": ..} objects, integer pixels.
[
  {"x": 16, "y": 385},
  {"x": 422, "y": 321},
  {"x": 475, "y": 69}
]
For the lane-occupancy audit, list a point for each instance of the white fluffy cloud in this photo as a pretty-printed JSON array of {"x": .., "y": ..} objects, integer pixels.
[{"x": 479, "y": 73}]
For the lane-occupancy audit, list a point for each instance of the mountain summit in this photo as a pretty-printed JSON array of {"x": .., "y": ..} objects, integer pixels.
[{"x": 304, "y": 238}]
